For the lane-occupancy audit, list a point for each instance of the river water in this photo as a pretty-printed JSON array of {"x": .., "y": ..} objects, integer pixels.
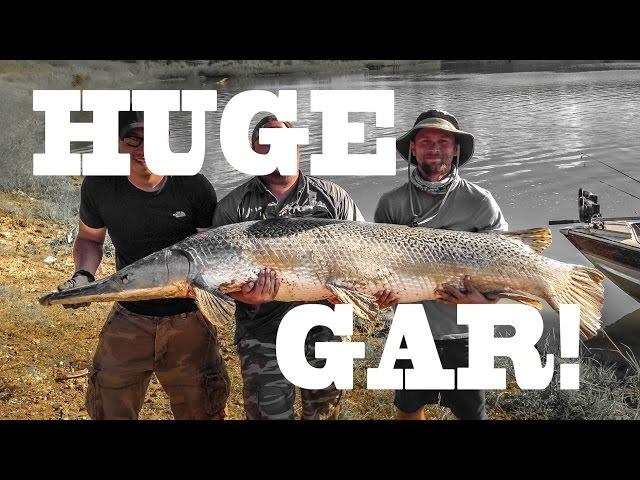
[{"x": 539, "y": 136}]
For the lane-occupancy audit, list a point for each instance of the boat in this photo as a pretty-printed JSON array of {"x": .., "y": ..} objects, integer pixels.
[{"x": 611, "y": 244}]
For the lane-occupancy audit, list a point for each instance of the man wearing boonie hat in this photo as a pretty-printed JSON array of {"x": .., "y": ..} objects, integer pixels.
[
  {"x": 436, "y": 197},
  {"x": 267, "y": 394},
  {"x": 144, "y": 213}
]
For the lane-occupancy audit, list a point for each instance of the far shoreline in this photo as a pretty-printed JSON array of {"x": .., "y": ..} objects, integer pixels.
[
  {"x": 222, "y": 71},
  {"x": 92, "y": 74}
]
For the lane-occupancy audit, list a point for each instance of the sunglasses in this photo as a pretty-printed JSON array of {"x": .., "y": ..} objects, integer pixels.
[{"x": 133, "y": 141}]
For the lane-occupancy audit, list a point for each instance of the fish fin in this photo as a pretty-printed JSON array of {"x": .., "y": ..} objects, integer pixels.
[
  {"x": 216, "y": 307},
  {"x": 364, "y": 306},
  {"x": 537, "y": 238},
  {"x": 333, "y": 300},
  {"x": 518, "y": 296},
  {"x": 582, "y": 285}
]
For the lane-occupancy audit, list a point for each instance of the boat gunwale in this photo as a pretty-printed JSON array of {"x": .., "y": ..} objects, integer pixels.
[{"x": 601, "y": 238}]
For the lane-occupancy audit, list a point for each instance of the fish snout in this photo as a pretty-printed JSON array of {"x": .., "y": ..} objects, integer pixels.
[{"x": 165, "y": 274}]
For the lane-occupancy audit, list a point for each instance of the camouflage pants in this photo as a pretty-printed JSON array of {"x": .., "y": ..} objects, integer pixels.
[
  {"x": 182, "y": 350},
  {"x": 268, "y": 395}
]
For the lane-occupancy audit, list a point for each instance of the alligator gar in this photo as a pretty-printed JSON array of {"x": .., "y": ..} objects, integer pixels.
[{"x": 349, "y": 262}]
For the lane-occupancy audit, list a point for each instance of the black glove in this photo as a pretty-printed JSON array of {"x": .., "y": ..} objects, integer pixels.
[{"x": 81, "y": 277}]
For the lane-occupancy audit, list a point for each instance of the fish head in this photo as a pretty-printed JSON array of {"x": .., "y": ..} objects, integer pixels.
[{"x": 164, "y": 274}]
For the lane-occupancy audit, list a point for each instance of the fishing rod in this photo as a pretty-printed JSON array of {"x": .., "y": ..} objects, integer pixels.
[
  {"x": 588, "y": 206},
  {"x": 620, "y": 190},
  {"x": 607, "y": 165}
]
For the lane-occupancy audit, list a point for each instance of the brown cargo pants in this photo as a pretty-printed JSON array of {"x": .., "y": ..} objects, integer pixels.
[{"x": 182, "y": 350}]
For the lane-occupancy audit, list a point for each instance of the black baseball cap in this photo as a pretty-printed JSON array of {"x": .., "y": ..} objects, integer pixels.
[{"x": 128, "y": 121}]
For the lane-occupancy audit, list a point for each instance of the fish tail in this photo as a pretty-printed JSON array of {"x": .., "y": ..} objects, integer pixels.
[{"x": 583, "y": 286}]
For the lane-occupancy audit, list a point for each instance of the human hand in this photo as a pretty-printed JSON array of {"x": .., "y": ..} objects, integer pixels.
[
  {"x": 454, "y": 296},
  {"x": 78, "y": 279},
  {"x": 264, "y": 289},
  {"x": 386, "y": 298}
]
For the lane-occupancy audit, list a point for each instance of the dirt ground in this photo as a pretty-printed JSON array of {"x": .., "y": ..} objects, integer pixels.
[{"x": 40, "y": 345}]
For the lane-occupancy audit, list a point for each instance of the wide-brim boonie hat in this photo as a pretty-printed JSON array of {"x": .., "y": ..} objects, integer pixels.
[{"x": 442, "y": 121}]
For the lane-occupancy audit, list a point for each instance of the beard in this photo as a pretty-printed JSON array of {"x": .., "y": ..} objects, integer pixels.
[
  {"x": 276, "y": 178},
  {"x": 435, "y": 167}
]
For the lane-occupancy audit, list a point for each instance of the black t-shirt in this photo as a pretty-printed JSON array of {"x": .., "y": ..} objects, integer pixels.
[{"x": 140, "y": 223}]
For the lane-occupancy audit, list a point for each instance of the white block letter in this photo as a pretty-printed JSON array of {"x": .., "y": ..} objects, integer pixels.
[
  {"x": 290, "y": 342},
  {"x": 337, "y": 132},
  {"x": 410, "y": 322},
  {"x": 156, "y": 105},
  {"x": 483, "y": 347},
  {"x": 59, "y": 132},
  {"x": 284, "y": 142}
]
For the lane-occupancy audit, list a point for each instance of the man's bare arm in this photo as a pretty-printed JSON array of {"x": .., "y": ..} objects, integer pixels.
[
  {"x": 87, "y": 255},
  {"x": 87, "y": 249}
]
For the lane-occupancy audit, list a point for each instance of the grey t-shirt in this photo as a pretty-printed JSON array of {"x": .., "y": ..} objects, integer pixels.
[{"x": 468, "y": 208}]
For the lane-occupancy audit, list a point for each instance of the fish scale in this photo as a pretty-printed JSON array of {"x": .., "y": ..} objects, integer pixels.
[
  {"x": 370, "y": 257},
  {"x": 317, "y": 259}
]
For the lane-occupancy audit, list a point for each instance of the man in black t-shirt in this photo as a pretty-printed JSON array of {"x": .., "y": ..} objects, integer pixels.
[{"x": 144, "y": 213}]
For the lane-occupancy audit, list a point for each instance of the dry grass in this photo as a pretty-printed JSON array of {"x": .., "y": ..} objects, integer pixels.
[{"x": 607, "y": 392}]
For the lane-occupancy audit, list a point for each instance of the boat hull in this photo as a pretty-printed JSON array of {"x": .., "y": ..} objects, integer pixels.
[{"x": 620, "y": 262}]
